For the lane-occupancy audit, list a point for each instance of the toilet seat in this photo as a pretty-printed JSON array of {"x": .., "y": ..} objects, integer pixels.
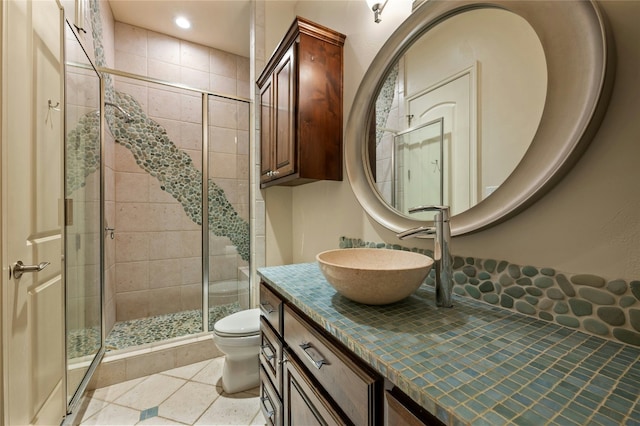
[{"x": 239, "y": 324}]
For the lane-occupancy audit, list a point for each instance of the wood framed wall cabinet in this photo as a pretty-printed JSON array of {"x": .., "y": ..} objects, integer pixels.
[{"x": 301, "y": 111}]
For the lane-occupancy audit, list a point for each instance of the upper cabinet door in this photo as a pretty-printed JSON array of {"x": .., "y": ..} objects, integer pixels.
[
  {"x": 305, "y": 75},
  {"x": 266, "y": 130},
  {"x": 285, "y": 80}
]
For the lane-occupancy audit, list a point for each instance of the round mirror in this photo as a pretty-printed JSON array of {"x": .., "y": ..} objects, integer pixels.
[
  {"x": 479, "y": 106},
  {"x": 457, "y": 112}
]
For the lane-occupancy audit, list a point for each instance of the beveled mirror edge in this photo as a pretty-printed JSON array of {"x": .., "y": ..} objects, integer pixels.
[{"x": 560, "y": 140}]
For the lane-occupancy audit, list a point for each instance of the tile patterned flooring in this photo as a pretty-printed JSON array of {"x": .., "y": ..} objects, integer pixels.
[{"x": 189, "y": 395}]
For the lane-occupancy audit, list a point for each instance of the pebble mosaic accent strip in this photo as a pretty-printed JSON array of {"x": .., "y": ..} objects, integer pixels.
[
  {"x": 384, "y": 102},
  {"x": 155, "y": 153},
  {"x": 609, "y": 309},
  {"x": 82, "y": 150},
  {"x": 478, "y": 363}
]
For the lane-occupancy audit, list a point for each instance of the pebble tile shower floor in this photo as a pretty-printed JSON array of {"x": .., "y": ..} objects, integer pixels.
[
  {"x": 127, "y": 334},
  {"x": 189, "y": 395},
  {"x": 136, "y": 332}
]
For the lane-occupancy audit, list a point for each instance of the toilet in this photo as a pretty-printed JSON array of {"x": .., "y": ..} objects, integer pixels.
[{"x": 238, "y": 337}]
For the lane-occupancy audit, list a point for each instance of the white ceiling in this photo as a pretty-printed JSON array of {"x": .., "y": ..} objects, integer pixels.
[{"x": 222, "y": 24}]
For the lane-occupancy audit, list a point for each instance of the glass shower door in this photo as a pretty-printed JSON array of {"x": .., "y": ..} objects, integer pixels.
[
  {"x": 83, "y": 220},
  {"x": 420, "y": 167}
]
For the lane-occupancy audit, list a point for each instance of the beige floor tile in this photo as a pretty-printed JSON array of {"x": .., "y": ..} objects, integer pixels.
[
  {"x": 150, "y": 392},
  {"x": 89, "y": 407},
  {"x": 211, "y": 374},
  {"x": 254, "y": 391},
  {"x": 188, "y": 371},
  {"x": 236, "y": 409},
  {"x": 189, "y": 402},
  {"x": 159, "y": 421},
  {"x": 113, "y": 392},
  {"x": 258, "y": 419},
  {"x": 113, "y": 414}
]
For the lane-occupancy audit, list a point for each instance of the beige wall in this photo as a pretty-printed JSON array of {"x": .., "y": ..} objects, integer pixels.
[{"x": 589, "y": 223}]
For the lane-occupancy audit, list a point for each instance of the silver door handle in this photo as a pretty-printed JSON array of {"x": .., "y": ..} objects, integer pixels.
[{"x": 20, "y": 268}]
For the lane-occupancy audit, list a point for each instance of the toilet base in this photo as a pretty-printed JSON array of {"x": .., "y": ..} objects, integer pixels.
[{"x": 240, "y": 374}]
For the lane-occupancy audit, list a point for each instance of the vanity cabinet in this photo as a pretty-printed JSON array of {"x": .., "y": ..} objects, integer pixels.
[
  {"x": 301, "y": 107},
  {"x": 308, "y": 377}
]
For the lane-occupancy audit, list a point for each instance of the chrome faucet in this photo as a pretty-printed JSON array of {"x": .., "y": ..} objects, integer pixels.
[{"x": 441, "y": 253}]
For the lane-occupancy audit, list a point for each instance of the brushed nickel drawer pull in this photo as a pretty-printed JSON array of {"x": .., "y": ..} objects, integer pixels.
[
  {"x": 307, "y": 347},
  {"x": 266, "y": 308},
  {"x": 267, "y": 411},
  {"x": 267, "y": 347}
]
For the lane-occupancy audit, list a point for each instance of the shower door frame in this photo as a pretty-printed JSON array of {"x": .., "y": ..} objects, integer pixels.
[{"x": 205, "y": 178}]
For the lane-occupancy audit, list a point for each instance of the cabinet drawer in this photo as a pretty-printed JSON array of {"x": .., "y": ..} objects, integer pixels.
[
  {"x": 271, "y": 308},
  {"x": 304, "y": 402},
  {"x": 353, "y": 387},
  {"x": 270, "y": 404},
  {"x": 271, "y": 355}
]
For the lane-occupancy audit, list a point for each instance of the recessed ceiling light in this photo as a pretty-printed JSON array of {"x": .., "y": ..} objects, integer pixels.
[{"x": 183, "y": 22}]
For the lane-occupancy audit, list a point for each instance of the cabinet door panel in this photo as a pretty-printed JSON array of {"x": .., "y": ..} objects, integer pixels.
[
  {"x": 304, "y": 405},
  {"x": 285, "y": 91},
  {"x": 266, "y": 130},
  {"x": 400, "y": 410}
]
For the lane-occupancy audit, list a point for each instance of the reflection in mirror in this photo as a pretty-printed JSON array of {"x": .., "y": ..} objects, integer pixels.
[
  {"x": 487, "y": 92},
  {"x": 82, "y": 224},
  {"x": 579, "y": 64}
]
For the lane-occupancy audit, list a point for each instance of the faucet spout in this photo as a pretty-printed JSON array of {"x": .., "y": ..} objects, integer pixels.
[
  {"x": 441, "y": 252},
  {"x": 414, "y": 232}
]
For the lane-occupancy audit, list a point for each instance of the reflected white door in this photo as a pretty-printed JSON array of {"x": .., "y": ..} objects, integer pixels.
[
  {"x": 32, "y": 165},
  {"x": 453, "y": 100}
]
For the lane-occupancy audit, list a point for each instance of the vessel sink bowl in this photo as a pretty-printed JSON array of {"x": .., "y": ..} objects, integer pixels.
[{"x": 374, "y": 276}]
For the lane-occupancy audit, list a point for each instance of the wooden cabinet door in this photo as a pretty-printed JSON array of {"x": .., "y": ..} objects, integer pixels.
[
  {"x": 303, "y": 403},
  {"x": 267, "y": 109},
  {"x": 284, "y": 79}
]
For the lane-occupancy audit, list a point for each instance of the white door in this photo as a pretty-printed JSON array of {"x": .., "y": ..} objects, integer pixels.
[{"x": 32, "y": 170}]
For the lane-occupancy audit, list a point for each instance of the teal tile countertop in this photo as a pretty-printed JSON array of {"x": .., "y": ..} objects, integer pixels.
[{"x": 475, "y": 363}]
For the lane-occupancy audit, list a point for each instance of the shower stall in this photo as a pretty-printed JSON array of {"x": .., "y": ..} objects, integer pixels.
[
  {"x": 172, "y": 270},
  {"x": 157, "y": 200}
]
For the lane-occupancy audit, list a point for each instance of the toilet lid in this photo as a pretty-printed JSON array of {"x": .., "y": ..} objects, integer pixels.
[{"x": 241, "y": 323}]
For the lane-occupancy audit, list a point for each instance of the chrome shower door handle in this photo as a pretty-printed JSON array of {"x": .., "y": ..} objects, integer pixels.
[{"x": 20, "y": 268}]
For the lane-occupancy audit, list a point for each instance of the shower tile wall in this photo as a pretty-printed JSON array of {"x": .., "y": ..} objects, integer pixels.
[{"x": 158, "y": 253}]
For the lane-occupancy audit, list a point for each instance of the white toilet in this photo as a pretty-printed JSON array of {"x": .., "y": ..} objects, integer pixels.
[{"x": 238, "y": 337}]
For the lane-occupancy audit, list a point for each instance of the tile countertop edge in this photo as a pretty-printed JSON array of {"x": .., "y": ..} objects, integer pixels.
[{"x": 437, "y": 396}]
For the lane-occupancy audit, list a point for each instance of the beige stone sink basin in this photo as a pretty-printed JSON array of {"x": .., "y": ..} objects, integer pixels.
[{"x": 374, "y": 276}]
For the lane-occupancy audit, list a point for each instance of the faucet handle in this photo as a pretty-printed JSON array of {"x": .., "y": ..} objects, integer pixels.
[{"x": 444, "y": 210}]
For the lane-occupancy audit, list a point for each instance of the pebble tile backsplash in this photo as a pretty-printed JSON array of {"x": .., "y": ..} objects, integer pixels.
[{"x": 608, "y": 309}]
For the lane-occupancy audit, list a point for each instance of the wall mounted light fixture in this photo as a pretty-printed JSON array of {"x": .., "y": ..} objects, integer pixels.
[{"x": 377, "y": 6}]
